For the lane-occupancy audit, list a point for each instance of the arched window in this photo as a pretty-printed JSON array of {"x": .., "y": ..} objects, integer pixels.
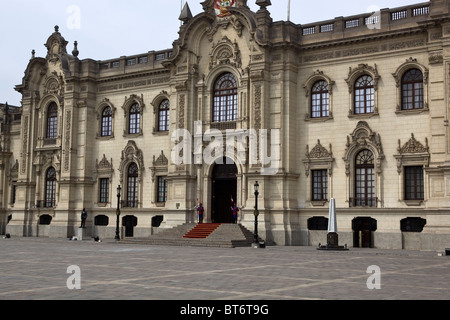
[
  {"x": 164, "y": 115},
  {"x": 364, "y": 95},
  {"x": 412, "y": 90},
  {"x": 320, "y": 100},
  {"x": 365, "y": 179},
  {"x": 225, "y": 98},
  {"x": 50, "y": 188},
  {"x": 52, "y": 121},
  {"x": 135, "y": 119},
  {"x": 107, "y": 122},
  {"x": 132, "y": 186}
]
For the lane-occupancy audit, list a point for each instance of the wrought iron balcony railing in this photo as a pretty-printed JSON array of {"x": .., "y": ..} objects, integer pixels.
[{"x": 363, "y": 202}]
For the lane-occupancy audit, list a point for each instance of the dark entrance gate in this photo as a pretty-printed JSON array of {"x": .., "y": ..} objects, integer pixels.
[
  {"x": 363, "y": 227},
  {"x": 224, "y": 188},
  {"x": 129, "y": 222}
]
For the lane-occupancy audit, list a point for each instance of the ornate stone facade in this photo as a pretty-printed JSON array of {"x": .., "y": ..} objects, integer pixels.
[{"x": 368, "y": 93}]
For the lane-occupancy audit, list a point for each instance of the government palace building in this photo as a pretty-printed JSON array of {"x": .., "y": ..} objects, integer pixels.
[{"x": 354, "y": 109}]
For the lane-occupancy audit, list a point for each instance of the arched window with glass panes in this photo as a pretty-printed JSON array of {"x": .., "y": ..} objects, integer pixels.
[
  {"x": 135, "y": 119},
  {"x": 164, "y": 116},
  {"x": 132, "y": 186},
  {"x": 107, "y": 122},
  {"x": 320, "y": 100},
  {"x": 412, "y": 90},
  {"x": 365, "y": 179},
  {"x": 225, "y": 105},
  {"x": 364, "y": 95},
  {"x": 52, "y": 121}
]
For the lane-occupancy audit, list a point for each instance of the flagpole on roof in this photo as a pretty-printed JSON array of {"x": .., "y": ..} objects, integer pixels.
[{"x": 289, "y": 11}]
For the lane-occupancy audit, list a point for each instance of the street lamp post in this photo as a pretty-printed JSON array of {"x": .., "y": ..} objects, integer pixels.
[
  {"x": 256, "y": 213},
  {"x": 118, "y": 214}
]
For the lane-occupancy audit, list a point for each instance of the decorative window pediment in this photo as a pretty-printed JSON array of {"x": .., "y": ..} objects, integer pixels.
[
  {"x": 130, "y": 154},
  {"x": 318, "y": 158},
  {"x": 160, "y": 165},
  {"x": 363, "y": 138},
  {"x": 317, "y": 76},
  {"x": 412, "y": 153},
  {"x": 103, "y": 168}
]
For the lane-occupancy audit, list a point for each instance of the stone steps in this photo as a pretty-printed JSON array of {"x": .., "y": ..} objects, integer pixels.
[
  {"x": 202, "y": 231},
  {"x": 224, "y": 236}
]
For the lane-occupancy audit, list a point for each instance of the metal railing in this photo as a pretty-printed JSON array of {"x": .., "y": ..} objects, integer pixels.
[{"x": 363, "y": 202}]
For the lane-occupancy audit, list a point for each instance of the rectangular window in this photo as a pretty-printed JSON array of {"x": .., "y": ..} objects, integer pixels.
[
  {"x": 352, "y": 23},
  {"x": 162, "y": 189},
  {"x": 327, "y": 27},
  {"x": 135, "y": 123},
  {"x": 414, "y": 189},
  {"x": 131, "y": 62},
  {"x": 164, "y": 120},
  {"x": 50, "y": 193},
  {"x": 399, "y": 15},
  {"x": 143, "y": 59},
  {"x": 308, "y": 31},
  {"x": 374, "y": 19},
  {"x": 104, "y": 190},
  {"x": 52, "y": 128},
  {"x": 319, "y": 185},
  {"x": 160, "y": 56},
  {"x": 412, "y": 96},
  {"x": 106, "y": 126},
  {"x": 422, "y": 11},
  {"x": 115, "y": 64}
]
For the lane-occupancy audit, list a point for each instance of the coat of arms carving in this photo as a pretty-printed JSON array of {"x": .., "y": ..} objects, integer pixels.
[{"x": 221, "y": 7}]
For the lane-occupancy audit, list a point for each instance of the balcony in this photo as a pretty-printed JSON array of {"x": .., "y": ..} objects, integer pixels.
[
  {"x": 129, "y": 203},
  {"x": 364, "y": 202}
]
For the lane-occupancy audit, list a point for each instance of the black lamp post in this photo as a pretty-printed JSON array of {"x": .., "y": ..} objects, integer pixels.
[
  {"x": 256, "y": 213},
  {"x": 118, "y": 213}
]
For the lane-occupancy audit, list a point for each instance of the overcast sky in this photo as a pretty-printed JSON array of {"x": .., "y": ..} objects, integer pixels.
[{"x": 114, "y": 28}]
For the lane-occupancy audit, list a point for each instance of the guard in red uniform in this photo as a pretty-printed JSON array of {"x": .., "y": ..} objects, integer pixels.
[
  {"x": 235, "y": 210},
  {"x": 200, "y": 210}
]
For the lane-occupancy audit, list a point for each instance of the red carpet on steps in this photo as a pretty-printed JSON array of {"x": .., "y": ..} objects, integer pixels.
[{"x": 202, "y": 231}]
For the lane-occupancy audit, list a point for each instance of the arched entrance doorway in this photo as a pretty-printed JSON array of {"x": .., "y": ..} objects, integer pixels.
[{"x": 224, "y": 188}]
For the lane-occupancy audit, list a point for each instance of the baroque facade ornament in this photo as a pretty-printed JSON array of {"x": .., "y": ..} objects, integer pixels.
[
  {"x": 130, "y": 154},
  {"x": 413, "y": 146},
  {"x": 412, "y": 153},
  {"x": 225, "y": 52},
  {"x": 318, "y": 158},
  {"x": 160, "y": 165},
  {"x": 363, "y": 138}
]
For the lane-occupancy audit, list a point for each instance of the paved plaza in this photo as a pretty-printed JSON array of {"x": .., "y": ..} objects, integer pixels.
[{"x": 44, "y": 269}]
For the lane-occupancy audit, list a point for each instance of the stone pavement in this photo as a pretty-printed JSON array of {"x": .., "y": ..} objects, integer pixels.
[{"x": 37, "y": 269}]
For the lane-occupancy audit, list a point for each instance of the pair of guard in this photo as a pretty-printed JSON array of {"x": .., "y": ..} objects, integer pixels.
[{"x": 201, "y": 211}]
